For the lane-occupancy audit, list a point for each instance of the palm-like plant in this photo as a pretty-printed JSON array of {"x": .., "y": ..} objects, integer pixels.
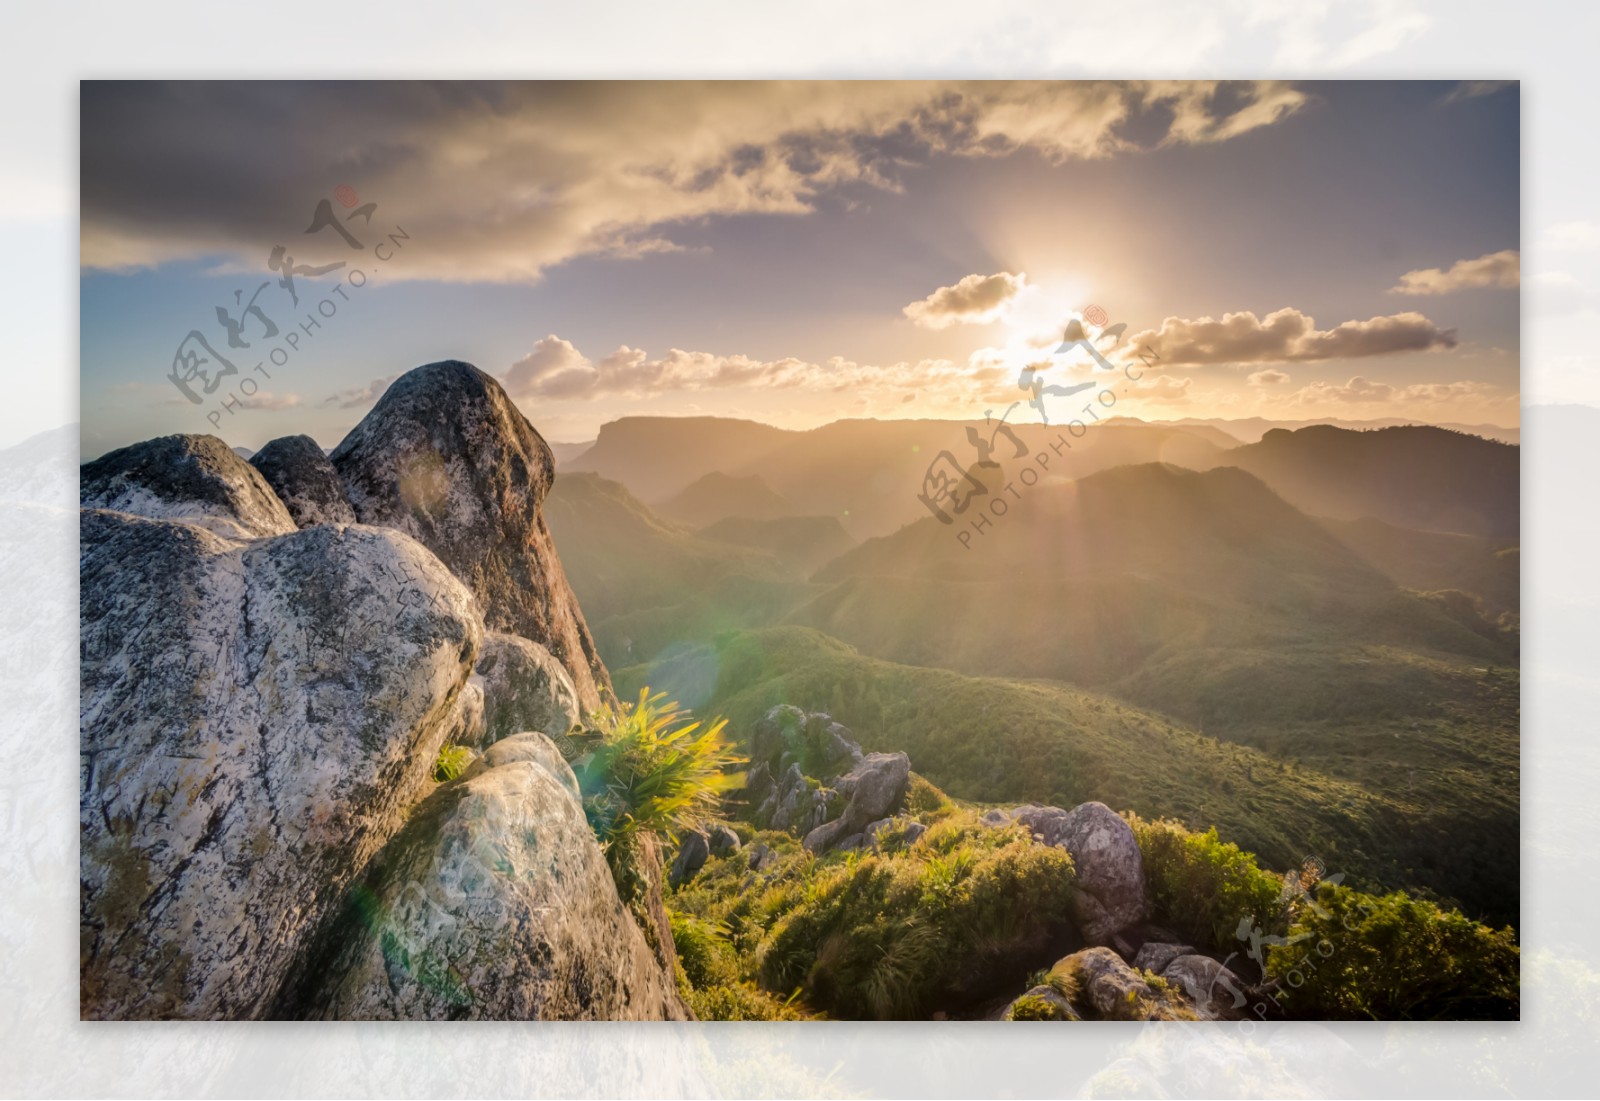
[{"x": 652, "y": 768}]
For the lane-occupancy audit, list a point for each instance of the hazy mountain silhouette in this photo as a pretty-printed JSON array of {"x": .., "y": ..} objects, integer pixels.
[
  {"x": 1251, "y": 429},
  {"x": 801, "y": 542},
  {"x": 868, "y": 473},
  {"x": 717, "y": 496},
  {"x": 1415, "y": 476}
]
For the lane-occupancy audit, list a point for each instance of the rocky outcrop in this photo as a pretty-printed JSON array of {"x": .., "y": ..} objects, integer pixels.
[
  {"x": 1110, "y": 891},
  {"x": 874, "y": 788},
  {"x": 494, "y": 903},
  {"x": 256, "y": 717},
  {"x": 299, "y": 472},
  {"x": 786, "y": 735},
  {"x": 524, "y": 688},
  {"x": 447, "y": 458},
  {"x": 195, "y": 479}
]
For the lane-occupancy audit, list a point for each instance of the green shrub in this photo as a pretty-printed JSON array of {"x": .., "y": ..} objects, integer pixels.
[
  {"x": 451, "y": 763},
  {"x": 650, "y": 770},
  {"x": 885, "y": 936},
  {"x": 1355, "y": 955},
  {"x": 1201, "y": 887},
  {"x": 741, "y": 1001},
  {"x": 925, "y": 801}
]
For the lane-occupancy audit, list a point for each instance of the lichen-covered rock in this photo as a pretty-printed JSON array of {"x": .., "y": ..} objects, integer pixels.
[
  {"x": 1046, "y": 998},
  {"x": 524, "y": 688},
  {"x": 1115, "y": 991},
  {"x": 256, "y": 717},
  {"x": 1110, "y": 891},
  {"x": 196, "y": 479},
  {"x": 447, "y": 458},
  {"x": 299, "y": 472},
  {"x": 873, "y": 787},
  {"x": 527, "y": 746},
  {"x": 494, "y": 903}
]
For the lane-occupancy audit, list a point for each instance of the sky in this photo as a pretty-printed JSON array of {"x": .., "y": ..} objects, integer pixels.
[{"x": 794, "y": 253}]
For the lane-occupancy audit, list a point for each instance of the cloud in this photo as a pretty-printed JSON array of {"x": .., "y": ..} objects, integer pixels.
[
  {"x": 1162, "y": 390},
  {"x": 557, "y": 370},
  {"x": 1288, "y": 336},
  {"x": 1267, "y": 376},
  {"x": 1365, "y": 391},
  {"x": 361, "y": 395},
  {"x": 270, "y": 402},
  {"x": 1472, "y": 89},
  {"x": 505, "y": 180},
  {"x": 975, "y": 300},
  {"x": 1493, "y": 269}
]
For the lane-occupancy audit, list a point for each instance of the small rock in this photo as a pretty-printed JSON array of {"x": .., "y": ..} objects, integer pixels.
[
  {"x": 1063, "y": 1009},
  {"x": 723, "y": 840},
  {"x": 524, "y": 688},
  {"x": 693, "y": 851},
  {"x": 1154, "y": 956},
  {"x": 1116, "y": 991},
  {"x": 1214, "y": 989}
]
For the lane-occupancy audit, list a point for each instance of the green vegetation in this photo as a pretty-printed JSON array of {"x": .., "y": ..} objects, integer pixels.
[
  {"x": 451, "y": 763},
  {"x": 895, "y": 934},
  {"x": 1354, "y": 955},
  {"x": 649, "y": 769},
  {"x": 1427, "y": 804},
  {"x": 1202, "y": 887}
]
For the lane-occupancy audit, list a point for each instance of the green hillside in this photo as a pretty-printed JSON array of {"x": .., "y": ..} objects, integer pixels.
[{"x": 990, "y": 739}]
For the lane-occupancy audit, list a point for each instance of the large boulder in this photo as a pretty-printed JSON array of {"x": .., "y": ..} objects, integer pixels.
[
  {"x": 299, "y": 472},
  {"x": 873, "y": 789},
  {"x": 494, "y": 903},
  {"x": 256, "y": 718},
  {"x": 524, "y": 688},
  {"x": 448, "y": 459},
  {"x": 1110, "y": 893},
  {"x": 196, "y": 479}
]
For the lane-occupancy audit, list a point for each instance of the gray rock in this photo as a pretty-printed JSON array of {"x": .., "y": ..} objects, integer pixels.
[
  {"x": 1116, "y": 991},
  {"x": 873, "y": 788},
  {"x": 464, "y": 724},
  {"x": 195, "y": 479},
  {"x": 724, "y": 841},
  {"x": 527, "y": 746},
  {"x": 524, "y": 688},
  {"x": 693, "y": 851},
  {"x": 995, "y": 817},
  {"x": 1154, "y": 957},
  {"x": 256, "y": 718},
  {"x": 299, "y": 472},
  {"x": 447, "y": 458},
  {"x": 1110, "y": 891},
  {"x": 761, "y": 855},
  {"x": 1217, "y": 993},
  {"x": 494, "y": 903}
]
